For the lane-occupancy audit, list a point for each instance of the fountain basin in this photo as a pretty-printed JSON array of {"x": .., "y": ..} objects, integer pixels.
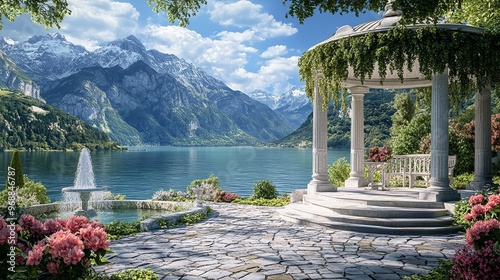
[
  {"x": 84, "y": 194},
  {"x": 112, "y": 210}
]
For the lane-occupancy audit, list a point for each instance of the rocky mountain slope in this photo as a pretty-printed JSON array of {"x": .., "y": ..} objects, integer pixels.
[
  {"x": 293, "y": 105},
  {"x": 143, "y": 96},
  {"x": 26, "y": 123},
  {"x": 12, "y": 78}
]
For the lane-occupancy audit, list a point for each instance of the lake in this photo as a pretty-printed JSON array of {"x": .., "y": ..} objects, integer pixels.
[{"x": 141, "y": 171}]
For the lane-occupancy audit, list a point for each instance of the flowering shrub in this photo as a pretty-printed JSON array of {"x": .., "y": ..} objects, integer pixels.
[
  {"x": 210, "y": 186},
  {"x": 470, "y": 263},
  {"x": 480, "y": 257},
  {"x": 224, "y": 196},
  {"x": 56, "y": 249},
  {"x": 171, "y": 195},
  {"x": 377, "y": 154}
]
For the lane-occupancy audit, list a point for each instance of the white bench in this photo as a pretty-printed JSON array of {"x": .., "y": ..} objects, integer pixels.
[{"x": 412, "y": 166}]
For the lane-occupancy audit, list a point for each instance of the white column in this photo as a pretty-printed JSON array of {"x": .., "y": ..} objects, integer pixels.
[
  {"x": 357, "y": 175},
  {"x": 319, "y": 182},
  {"x": 439, "y": 189},
  {"x": 482, "y": 141}
]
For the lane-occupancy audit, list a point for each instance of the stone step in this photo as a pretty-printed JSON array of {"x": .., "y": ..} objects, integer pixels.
[
  {"x": 377, "y": 211},
  {"x": 299, "y": 216},
  {"x": 312, "y": 211},
  {"x": 376, "y": 198}
]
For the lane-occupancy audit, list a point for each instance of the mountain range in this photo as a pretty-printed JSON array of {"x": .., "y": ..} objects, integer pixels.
[{"x": 141, "y": 96}]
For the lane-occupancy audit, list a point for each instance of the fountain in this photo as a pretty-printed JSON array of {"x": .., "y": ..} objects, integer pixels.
[{"x": 84, "y": 188}]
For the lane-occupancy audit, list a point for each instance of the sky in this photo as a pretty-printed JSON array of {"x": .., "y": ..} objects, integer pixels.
[{"x": 248, "y": 44}]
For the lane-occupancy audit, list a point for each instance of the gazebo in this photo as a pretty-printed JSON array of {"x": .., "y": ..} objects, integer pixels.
[
  {"x": 451, "y": 58},
  {"x": 439, "y": 189}
]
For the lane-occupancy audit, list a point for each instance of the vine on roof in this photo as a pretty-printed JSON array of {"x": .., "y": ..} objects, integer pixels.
[{"x": 473, "y": 60}]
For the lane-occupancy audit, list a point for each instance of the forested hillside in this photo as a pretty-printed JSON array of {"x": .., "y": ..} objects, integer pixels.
[
  {"x": 26, "y": 123},
  {"x": 378, "y": 111}
]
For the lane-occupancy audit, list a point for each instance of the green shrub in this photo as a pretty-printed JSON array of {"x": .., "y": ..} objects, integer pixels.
[
  {"x": 463, "y": 207},
  {"x": 264, "y": 189},
  {"x": 32, "y": 193},
  {"x": 275, "y": 202},
  {"x": 339, "y": 171},
  {"x": 212, "y": 183},
  {"x": 118, "y": 230},
  {"x": 461, "y": 181},
  {"x": 135, "y": 274},
  {"x": 110, "y": 196}
]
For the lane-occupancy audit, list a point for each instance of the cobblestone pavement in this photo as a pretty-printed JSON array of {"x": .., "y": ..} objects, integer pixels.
[{"x": 249, "y": 242}]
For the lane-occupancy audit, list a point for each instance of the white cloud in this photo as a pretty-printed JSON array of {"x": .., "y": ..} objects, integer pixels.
[
  {"x": 274, "y": 51},
  {"x": 217, "y": 57},
  {"x": 257, "y": 24},
  {"x": 91, "y": 22},
  {"x": 224, "y": 60}
]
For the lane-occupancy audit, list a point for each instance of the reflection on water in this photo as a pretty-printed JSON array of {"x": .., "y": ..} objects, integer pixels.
[{"x": 141, "y": 171}]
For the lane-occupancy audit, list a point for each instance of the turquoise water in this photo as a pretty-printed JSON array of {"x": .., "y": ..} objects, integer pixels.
[
  {"x": 117, "y": 215},
  {"x": 141, "y": 171}
]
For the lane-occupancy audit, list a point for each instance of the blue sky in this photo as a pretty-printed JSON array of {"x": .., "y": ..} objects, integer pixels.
[{"x": 248, "y": 44}]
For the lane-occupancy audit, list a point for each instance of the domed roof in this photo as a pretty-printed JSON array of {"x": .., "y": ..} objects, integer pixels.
[{"x": 389, "y": 20}]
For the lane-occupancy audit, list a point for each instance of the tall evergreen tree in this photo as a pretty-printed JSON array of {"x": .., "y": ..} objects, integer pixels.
[{"x": 15, "y": 170}]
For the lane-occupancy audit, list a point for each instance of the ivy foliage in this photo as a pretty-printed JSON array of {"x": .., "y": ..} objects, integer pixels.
[{"x": 472, "y": 59}]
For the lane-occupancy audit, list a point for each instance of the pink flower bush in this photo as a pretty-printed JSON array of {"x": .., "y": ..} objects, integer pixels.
[
  {"x": 482, "y": 231},
  {"x": 224, "y": 196},
  {"x": 473, "y": 264},
  {"x": 377, "y": 154},
  {"x": 59, "y": 247},
  {"x": 479, "y": 259}
]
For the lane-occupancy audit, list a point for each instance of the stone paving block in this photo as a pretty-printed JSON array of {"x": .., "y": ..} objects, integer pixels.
[
  {"x": 280, "y": 277},
  {"x": 300, "y": 276},
  {"x": 254, "y": 276},
  {"x": 215, "y": 274}
]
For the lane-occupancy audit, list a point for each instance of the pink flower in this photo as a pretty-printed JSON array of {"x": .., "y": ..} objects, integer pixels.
[
  {"x": 493, "y": 201},
  {"x": 52, "y": 226},
  {"x": 67, "y": 246},
  {"x": 480, "y": 230},
  {"x": 4, "y": 231},
  {"x": 477, "y": 210},
  {"x": 468, "y": 217},
  {"x": 75, "y": 223},
  {"x": 94, "y": 238},
  {"x": 36, "y": 254},
  {"x": 476, "y": 199},
  {"x": 31, "y": 224},
  {"x": 53, "y": 268}
]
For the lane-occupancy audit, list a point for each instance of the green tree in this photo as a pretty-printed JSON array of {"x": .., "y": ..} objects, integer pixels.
[
  {"x": 46, "y": 12},
  {"x": 482, "y": 13},
  {"x": 15, "y": 171},
  {"x": 405, "y": 109}
]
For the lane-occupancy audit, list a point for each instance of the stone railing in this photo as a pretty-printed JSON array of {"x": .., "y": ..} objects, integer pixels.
[{"x": 409, "y": 167}]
